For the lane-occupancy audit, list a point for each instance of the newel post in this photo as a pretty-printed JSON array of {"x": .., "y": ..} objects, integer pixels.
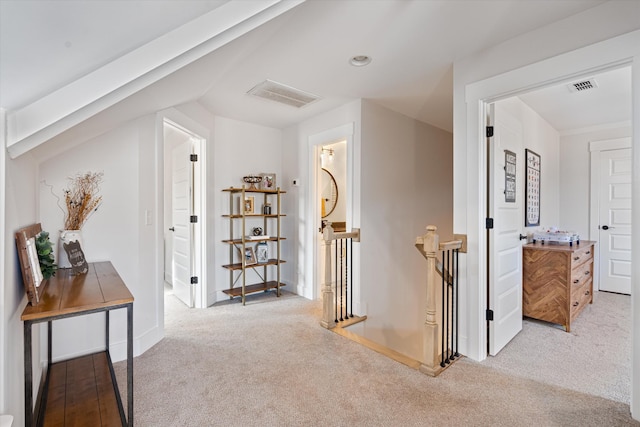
[
  {"x": 328, "y": 316},
  {"x": 429, "y": 243}
]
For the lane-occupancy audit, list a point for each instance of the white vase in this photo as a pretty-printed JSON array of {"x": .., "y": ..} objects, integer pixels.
[{"x": 67, "y": 236}]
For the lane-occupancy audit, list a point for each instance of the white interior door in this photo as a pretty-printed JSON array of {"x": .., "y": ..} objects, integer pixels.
[
  {"x": 615, "y": 221},
  {"x": 505, "y": 246},
  {"x": 182, "y": 229}
]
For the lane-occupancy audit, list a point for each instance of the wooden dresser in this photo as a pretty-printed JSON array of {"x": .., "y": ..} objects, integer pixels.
[{"x": 557, "y": 281}]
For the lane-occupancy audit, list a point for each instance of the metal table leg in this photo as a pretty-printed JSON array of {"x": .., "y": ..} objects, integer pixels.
[
  {"x": 130, "y": 363},
  {"x": 28, "y": 377}
]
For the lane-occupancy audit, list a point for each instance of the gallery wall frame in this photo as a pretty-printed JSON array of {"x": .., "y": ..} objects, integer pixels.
[
  {"x": 532, "y": 189},
  {"x": 509, "y": 176}
]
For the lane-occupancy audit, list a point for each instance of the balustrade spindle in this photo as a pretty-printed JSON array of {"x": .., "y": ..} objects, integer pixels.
[
  {"x": 440, "y": 332},
  {"x": 341, "y": 274}
]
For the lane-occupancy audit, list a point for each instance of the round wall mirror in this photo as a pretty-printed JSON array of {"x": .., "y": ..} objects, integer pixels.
[{"x": 328, "y": 193}]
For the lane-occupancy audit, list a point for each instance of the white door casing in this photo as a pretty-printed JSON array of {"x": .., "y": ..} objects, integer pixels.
[
  {"x": 614, "y": 235},
  {"x": 505, "y": 247},
  {"x": 182, "y": 229}
]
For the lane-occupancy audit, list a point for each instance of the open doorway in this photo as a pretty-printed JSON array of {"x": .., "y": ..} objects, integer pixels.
[
  {"x": 539, "y": 350},
  {"x": 331, "y": 193},
  {"x": 182, "y": 212},
  {"x": 339, "y": 158}
]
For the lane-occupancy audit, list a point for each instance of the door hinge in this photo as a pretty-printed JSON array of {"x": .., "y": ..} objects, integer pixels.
[
  {"x": 194, "y": 280},
  {"x": 489, "y": 314},
  {"x": 488, "y": 223},
  {"x": 489, "y": 131},
  {"x": 193, "y": 219},
  {"x": 193, "y": 157}
]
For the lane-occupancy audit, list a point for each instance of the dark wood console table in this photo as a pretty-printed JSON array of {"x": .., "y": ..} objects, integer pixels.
[{"x": 80, "y": 391}]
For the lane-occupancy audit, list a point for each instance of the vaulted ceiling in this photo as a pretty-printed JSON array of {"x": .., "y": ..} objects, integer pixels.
[{"x": 48, "y": 47}]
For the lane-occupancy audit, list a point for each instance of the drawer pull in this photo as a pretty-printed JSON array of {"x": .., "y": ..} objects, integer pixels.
[
  {"x": 587, "y": 273},
  {"x": 576, "y": 258},
  {"x": 576, "y": 281},
  {"x": 587, "y": 293},
  {"x": 575, "y": 304},
  {"x": 588, "y": 252}
]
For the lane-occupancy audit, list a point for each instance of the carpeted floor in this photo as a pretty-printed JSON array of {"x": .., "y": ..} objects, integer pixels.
[
  {"x": 270, "y": 364},
  {"x": 594, "y": 358}
]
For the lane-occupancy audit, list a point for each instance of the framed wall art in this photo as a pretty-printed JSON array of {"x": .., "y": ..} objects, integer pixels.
[
  {"x": 509, "y": 176},
  {"x": 532, "y": 190}
]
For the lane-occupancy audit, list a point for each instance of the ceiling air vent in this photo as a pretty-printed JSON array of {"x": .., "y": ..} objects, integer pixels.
[
  {"x": 582, "y": 85},
  {"x": 284, "y": 94}
]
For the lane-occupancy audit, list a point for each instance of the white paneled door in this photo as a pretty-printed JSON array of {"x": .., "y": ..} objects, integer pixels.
[
  {"x": 182, "y": 229},
  {"x": 615, "y": 221},
  {"x": 506, "y": 200}
]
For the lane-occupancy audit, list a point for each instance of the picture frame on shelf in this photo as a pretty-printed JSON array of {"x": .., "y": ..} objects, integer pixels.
[
  {"x": 268, "y": 181},
  {"x": 32, "y": 277},
  {"x": 248, "y": 205},
  {"x": 249, "y": 256}
]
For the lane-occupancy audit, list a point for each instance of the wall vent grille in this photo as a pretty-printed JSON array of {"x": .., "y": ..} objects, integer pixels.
[
  {"x": 583, "y": 85},
  {"x": 283, "y": 94}
]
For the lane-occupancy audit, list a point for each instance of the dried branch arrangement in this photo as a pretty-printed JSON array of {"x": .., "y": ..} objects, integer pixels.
[{"x": 81, "y": 199}]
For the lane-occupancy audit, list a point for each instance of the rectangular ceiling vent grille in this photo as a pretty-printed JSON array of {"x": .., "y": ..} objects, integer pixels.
[
  {"x": 283, "y": 94},
  {"x": 583, "y": 85}
]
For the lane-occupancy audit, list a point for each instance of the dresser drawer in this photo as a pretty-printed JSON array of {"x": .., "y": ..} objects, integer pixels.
[
  {"x": 581, "y": 274},
  {"x": 580, "y": 291},
  {"x": 581, "y": 256},
  {"x": 580, "y": 299}
]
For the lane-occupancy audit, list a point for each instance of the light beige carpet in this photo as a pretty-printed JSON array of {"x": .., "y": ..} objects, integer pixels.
[{"x": 271, "y": 364}]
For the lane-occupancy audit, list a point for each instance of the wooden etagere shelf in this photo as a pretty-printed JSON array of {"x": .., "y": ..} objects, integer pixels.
[{"x": 241, "y": 224}]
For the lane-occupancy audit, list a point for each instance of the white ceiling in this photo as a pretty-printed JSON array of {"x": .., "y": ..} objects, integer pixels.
[{"x": 45, "y": 45}]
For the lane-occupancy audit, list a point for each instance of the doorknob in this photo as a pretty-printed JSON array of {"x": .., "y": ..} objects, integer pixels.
[
  {"x": 605, "y": 227},
  {"x": 172, "y": 229},
  {"x": 523, "y": 237}
]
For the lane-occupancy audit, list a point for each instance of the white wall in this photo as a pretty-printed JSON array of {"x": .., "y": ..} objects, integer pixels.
[
  {"x": 538, "y": 135},
  {"x": 20, "y": 210},
  {"x": 242, "y": 149},
  {"x": 575, "y": 176},
  {"x": 407, "y": 182},
  {"x": 116, "y": 232}
]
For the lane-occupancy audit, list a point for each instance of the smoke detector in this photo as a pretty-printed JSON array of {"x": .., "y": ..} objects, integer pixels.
[
  {"x": 583, "y": 85},
  {"x": 283, "y": 94}
]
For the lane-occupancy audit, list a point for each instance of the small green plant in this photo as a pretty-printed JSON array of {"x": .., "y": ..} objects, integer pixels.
[{"x": 45, "y": 255}]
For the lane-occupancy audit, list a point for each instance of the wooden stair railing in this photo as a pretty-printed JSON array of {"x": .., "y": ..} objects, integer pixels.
[
  {"x": 338, "y": 279},
  {"x": 441, "y": 324}
]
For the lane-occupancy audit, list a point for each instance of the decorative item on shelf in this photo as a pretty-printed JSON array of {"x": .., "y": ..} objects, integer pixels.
[
  {"x": 262, "y": 252},
  {"x": 257, "y": 234},
  {"x": 268, "y": 181},
  {"x": 45, "y": 255},
  {"x": 36, "y": 260},
  {"x": 81, "y": 201},
  {"x": 252, "y": 180},
  {"x": 248, "y": 205},
  {"x": 76, "y": 257},
  {"x": 249, "y": 256},
  {"x": 67, "y": 237},
  {"x": 266, "y": 209}
]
